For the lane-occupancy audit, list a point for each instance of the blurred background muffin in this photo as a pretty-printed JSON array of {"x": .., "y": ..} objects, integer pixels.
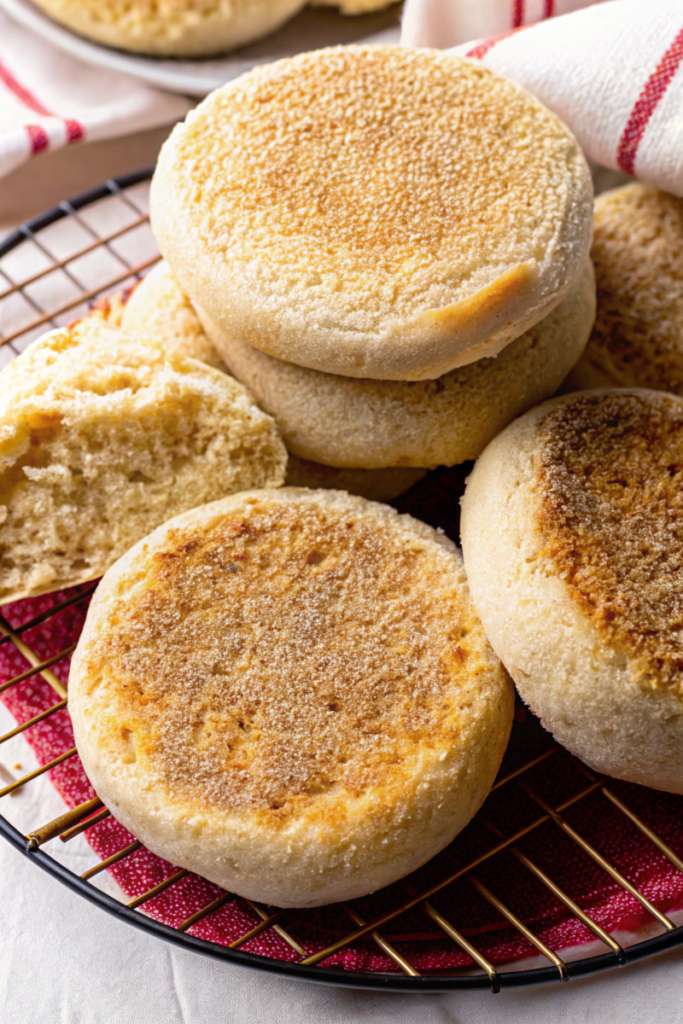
[
  {"x": 173, "y": 28},
  {"x": 352, "y": 7}
]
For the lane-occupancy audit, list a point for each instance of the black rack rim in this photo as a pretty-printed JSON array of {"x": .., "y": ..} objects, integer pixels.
[{"x": 365, "y": 980}]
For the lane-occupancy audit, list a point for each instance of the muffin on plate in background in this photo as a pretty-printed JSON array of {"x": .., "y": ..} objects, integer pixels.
[
  {"x": 353, "y": 7},
  {"x": 173, "y": 28}
]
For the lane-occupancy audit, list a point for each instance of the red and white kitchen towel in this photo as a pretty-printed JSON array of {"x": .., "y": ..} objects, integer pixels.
[
  {"x": 443, "y": 23},
  {"x": 49, "y": 100},
  {"x": 613, "y": 72}
]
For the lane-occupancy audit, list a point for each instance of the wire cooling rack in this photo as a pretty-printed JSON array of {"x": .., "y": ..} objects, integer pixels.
[{"x": 51, "y": 271}]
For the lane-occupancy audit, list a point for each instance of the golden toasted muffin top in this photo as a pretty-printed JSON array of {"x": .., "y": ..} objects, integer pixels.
[
  {"x": 415, "y": 174},
  {"x": 638, "y": 255},
  {"x": 292, "y": 649},
  {"x": 611, "y": 510}
]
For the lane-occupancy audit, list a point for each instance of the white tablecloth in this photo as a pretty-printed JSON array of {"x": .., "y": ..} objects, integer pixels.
[{"x": 64, "y": 961}]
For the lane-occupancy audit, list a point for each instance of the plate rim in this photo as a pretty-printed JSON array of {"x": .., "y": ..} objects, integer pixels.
[{"x": 160, "y": 72}]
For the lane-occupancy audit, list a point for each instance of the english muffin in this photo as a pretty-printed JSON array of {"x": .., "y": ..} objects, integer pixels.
[
  {"x": 572, "y": 532},
  {"x": 103, "y": 438},
  {"x": 289, "y": 692},
  {"x": 373, "y": 211},
  {"x": 637, "y": 340},
  {"x": 353, "y": 7},
  {"x": 158, "y": 308},
  {"x": 111, "y": 308},
  {"x": 172, "y": 28},
  {"x": 343, "y": 421}
]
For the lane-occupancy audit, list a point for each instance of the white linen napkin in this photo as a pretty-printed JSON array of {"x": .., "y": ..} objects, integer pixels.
[
  {"x": 459, "y": 21},
  {"x": 49, "y": 100},
  {"x": 613, "y": 72}
]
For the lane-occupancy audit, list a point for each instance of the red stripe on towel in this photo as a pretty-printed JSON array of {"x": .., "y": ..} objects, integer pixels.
[
  {"x": 481, "y": 49},
  {"x": 21, "y": 92},
  {"x": 37, "y": 135},
  {"x": 74, "y": 130},
  {"x": 517, "y": 13},
  {"x": 646, "y": 104}
]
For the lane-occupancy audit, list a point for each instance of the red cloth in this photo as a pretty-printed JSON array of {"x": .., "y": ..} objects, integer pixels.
[{"x": 413, "y": 933}]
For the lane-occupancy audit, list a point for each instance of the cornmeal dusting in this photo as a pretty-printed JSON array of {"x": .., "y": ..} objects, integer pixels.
[
  {"x": 380, "y": 161},
  {"x": 286, "y": 652},
  {"x": 638, "y": 257},
  {"x": 611, "y": 488}
]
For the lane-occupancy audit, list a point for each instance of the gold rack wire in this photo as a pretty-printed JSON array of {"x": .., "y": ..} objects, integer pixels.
[{"x": 30, "y": 313}]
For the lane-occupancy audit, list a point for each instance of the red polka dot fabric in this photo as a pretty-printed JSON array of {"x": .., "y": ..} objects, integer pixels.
[{"x": 413, "y": 933}]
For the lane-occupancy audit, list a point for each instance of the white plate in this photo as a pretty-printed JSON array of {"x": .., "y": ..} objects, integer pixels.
[{"x": 309, "y": 30}]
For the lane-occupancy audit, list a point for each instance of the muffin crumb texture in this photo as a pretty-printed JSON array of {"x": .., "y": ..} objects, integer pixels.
[{"x": 102, "y": 438}]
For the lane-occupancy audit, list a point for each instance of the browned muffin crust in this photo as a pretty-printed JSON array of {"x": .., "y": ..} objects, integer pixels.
[
  {"x": 282, "y": 655},
  {"x": 637, "y": 340},
  {"x": 112, "y": 307},
  {"x": 323, "y": 145},
  {"x": 373, "y": 211},
  {"x": 611, "y": 511}
]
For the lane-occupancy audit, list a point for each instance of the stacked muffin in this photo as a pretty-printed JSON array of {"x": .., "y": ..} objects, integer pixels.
[
  {"x": 159, "y": 309},
  {"x": 389, "y": 248}
]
